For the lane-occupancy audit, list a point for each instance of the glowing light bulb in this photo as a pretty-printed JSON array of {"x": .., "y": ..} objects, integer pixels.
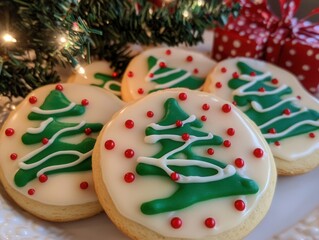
[
  {"x": 186, "y": 14},
  {"x": 8, "y": 38},
  {"x": 62, "y": 39},
  {"x": 200, "y": 3}
]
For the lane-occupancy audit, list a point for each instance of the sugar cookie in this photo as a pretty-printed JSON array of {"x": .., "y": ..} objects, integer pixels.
[
  {"x": 161, "y": 68},
  {"x": 99, "y": 74},
  {"x": 286, "y": 114},
  {"x": 182, "y": 164},
  {"x": 46, "y": 146}
]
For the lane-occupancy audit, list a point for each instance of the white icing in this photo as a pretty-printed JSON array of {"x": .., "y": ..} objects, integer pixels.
[
  {"x": 128, "y": 197},
  {"x": 176, "y": 60},
  {"x": 291, "y": 148},
  {"x": 255, "y": 105},
  {"x": 163, "y": 161},
  {"x": 42, "y": 126},
  {"x": 102, "y": 106},
  {"x": 165, "y": 74},
  {"x": 53, "y": 111},
  {"x": 88, "y": 78},
  {"x": 191, "y": 118}
]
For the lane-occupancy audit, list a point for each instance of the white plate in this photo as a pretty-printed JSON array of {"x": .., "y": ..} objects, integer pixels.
[{"x": 295, "y": 198}]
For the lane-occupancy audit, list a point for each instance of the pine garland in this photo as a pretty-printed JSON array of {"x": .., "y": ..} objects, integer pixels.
[{"x": 51, "y": 33}]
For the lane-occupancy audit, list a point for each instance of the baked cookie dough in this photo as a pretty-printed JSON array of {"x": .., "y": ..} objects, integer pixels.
[
  {"x": 286, "y": 114},
  {"x": 183, "y": 164},
  {"x": 46, "y": 147},
  {"x": 162, "y": 68}
]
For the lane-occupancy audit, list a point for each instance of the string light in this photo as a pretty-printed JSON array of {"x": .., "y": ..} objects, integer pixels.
[
  {"x": 63, "y": 39},
  {"x": 8, "y": 38},
  {"x": 200, "y": 3},
  {"x": 186, "y": 14}
]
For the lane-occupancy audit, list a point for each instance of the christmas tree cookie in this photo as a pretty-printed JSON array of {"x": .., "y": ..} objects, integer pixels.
[
  {"x": 46, "y": 149},
  {"x": 285, "y": 113},
  {"x": 162, "y": 68},
  {"x": 174, "y": 165},
  {"x": 99, "y": 74}
]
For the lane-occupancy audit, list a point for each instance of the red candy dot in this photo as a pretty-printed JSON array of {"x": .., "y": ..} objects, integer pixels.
[
  {"x": 274, "y": 81},
  {"x": 240, "y": 205},
  {"x": 205, "y": 107},
  {"x": 253, "y": 74},
  {"x": 151, "y": 75},
  {"x": 287, "y": 111},
  {"x": 13, "y": 156},
  {"x": 234, "y": 103},
  {"x": 175, "y": 176},
  {"x": 185, "y": 136},
  {"x": 140, "y": 91},
  {"x": 231, "y": 132},
  {"x": 33, "y": 99},
  {"x": 195, "y": 71},
  {"x": 88, "y": 131},
  {"x": 277, "y": 143},
  {"x": 227, "y": 143},
  {"x": 223, "y": 69},
  {"x": 130, "y": 74},
  {"x": 45, "y": 141},
  {"x": 129, "y": 153},
  {"x": 258, "y": 153},
  {"x": 85, "y": 102},
  {"x": 115, "y": 74},
  {"x": 210, "y": 151},
  {"x": 203, "y": 118},
  {"x": 31, "y": 191},
  {"x": 226, "y": 108},
  {"x": 262, "y": 89},
  {"x": 299, "y": 97},
  {"x": 179, "y": 123},
  {"x": 239, "y": 162},
  {"x": 162, "y": 65},
  {"x": 9, "y": 132},
  {"x": 59, "y": 87},
  {"x": 129, "y": 124},
  {"x": 235, "y": 75},
  {"x": 218, "y": 85},
  {"x": 129, "y": 177},
  {"x": 109, "y": 144},
  {"x": 150, "y": 114},
  {"x": 189, "y": 59},
  {"x": 168, "y": 52},
  {"x": 176, "y": 222},
  {"x": 210, "y": 222},
  {"x": 312, "y": 135},
  {"x": 272, "y": 130},
  {"x": 182, "y": 96},
  {"x": 84, "y": 185},
  {"x": 43, "y": 178}
]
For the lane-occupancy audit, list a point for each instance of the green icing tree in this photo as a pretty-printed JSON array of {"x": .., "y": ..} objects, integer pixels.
[
  {"x": 56, "y": 154},
  {"x": 198, "y": 178},
  {"x": 166, "y": 77},
  {"x": 109, "y": 83},
  {"x": 272, "y": 106}
]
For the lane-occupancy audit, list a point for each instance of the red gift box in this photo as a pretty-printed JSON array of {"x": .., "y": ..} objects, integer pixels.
[{"x": 287, "y": 42}]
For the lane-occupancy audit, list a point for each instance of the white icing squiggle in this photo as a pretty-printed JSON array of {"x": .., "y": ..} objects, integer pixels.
[
  {"x": 255, "y": 105},
  {"x": 57, "y": 134},
  {"x": 163, "y": 161},
  {"x": 42, "y": 126},
  {"x": 81, "y": 158},
  {"x": 165, "y": 74},
  {"x": 53, "y": 111},
  {"x": 190, "y": 119}
]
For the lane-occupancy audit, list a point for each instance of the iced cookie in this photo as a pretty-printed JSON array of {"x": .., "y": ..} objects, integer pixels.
[
  {"x": 285, "y": 113},
  {"x": 46, "y": 147},
  {"x": 162, "y": 68},
  {"x": 99, "y": 74},
  {"x": 182, "y": 164}
]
